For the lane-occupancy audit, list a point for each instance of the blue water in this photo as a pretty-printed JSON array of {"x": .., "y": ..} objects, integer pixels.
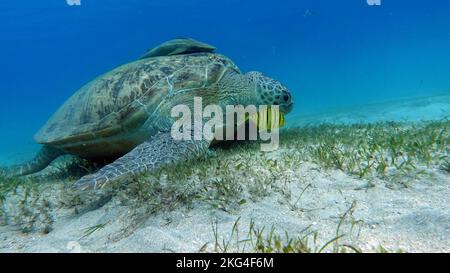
[{"x": 329, "y": 53}]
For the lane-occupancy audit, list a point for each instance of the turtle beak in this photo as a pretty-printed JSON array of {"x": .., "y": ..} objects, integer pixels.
[{"x": 289, "y": 107}]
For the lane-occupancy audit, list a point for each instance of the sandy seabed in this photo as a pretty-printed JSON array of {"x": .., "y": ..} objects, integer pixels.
[{"x": 370, "y": 214}]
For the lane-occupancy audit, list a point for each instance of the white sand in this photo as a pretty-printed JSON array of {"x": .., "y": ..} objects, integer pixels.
[
  {"x": 415, "y": 219},
  {"x": 416, "y": 109}
]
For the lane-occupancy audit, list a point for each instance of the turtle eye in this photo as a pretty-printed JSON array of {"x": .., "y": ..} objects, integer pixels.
[{"x": 286, "y": 98}]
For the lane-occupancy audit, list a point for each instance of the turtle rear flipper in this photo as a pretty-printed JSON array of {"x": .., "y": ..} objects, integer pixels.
[
  {"x": 45, "y": 156},
  {"x": 154, "y": 153}
]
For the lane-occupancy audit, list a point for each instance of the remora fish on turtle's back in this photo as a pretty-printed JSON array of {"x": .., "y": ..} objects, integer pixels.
[
  {"x": 126, "y": 112},
  {"x": 178, "y": 47}
]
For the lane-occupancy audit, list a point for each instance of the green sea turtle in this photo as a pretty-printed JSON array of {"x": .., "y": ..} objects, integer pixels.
[{"x": 124, "y": 115}]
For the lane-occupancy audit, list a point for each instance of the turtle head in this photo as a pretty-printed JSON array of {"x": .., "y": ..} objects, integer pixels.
[{"x": 271, "y": 92}]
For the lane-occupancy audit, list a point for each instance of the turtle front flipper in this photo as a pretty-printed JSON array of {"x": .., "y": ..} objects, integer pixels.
[
  {"x": 156, "y": 152},
  {"x": 45, "y": 156}
]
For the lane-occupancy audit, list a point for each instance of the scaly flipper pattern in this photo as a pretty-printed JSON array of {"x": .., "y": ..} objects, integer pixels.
[
  {"x": 45, "y": 156},
  {"x": 156, "y": 152}
]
